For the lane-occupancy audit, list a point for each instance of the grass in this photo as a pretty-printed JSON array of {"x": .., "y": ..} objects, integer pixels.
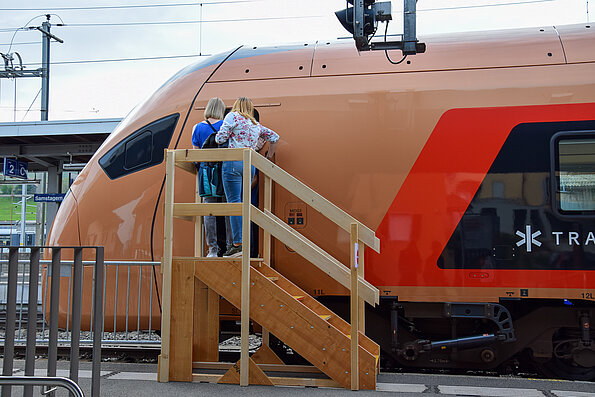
[{"x": 6, "y": 209}]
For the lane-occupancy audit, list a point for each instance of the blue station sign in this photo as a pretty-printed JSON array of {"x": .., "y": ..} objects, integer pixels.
[
  {"x": 15, "y": 168},
  {"x": 48, "y": 197}
]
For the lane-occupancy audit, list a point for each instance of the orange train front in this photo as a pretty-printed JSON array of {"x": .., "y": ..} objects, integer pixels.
[{"x": 474, "y": 163}]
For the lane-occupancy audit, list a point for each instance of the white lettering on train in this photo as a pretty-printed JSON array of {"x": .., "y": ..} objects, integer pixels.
[{"x": 560, "y": 238}]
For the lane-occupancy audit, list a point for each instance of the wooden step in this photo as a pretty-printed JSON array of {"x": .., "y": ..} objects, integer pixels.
[
  {"x": 301, "y": 328},
  {"x": 336, "y": 321}
]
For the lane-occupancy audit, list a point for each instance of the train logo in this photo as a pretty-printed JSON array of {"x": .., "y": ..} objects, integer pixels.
[{"x": 528, "y": 238}]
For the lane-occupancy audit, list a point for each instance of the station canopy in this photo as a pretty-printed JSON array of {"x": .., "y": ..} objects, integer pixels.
[{"x": 44, "y": 144}]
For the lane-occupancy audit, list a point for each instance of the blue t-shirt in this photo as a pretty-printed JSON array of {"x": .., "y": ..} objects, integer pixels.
[{"x": 202, "y": 131}]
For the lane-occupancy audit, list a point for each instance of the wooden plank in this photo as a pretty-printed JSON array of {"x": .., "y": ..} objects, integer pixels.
[
  {"x": 166, "y": 264},
  {"x": 354, "y": 303},
  {"x": 266, "y": 238},
  {"x": 206, "y": 378},
  {"x": 204, "y": 209},
  {"x": 265, "y": 355},
  {"x": 189, "y": 167},
  {"x": 305, "y": 382},
  {"x": 360, "y": 271},
  {"x": 265, "y": 367},
  {"x": 200, "y": 321},
  {"x": 198, "y": 155},
  {"x": 182, "y": 301},
  {"x": 313, "y": 253},
  {"x": 315, "y": 200},
  {"x": 257, "y": 376},
  {"x": 277, "y": 381},
  {"x": 198, "y": 222},
  {"x": 212, "y": 348},
  {"x": 245, "y": 300}
]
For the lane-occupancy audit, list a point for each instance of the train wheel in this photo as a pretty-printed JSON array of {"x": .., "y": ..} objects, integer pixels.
[
  {"x": 560, "y": 369},
  {"x": 572, "y": 358}
]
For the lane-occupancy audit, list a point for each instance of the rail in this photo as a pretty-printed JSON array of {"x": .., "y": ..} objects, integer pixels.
[
  {"x": 137, "y": 330},
  {"x": 54, "y": 287},
  {"x": 350, "y": 276}
]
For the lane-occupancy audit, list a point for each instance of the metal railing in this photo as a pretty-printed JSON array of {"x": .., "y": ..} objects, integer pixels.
[
  {"x": 138, "y": 283},
  {"x": 30, "y": 381},
  {"x": 76, "y": 289}
]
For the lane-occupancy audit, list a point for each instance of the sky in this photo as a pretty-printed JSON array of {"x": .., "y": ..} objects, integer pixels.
[{"x": 101, "y": 69}]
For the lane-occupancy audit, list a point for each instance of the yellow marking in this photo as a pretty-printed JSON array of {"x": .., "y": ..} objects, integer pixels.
[{"x": 324, "y": 316}]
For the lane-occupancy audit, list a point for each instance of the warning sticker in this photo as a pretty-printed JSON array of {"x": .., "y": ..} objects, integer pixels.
[{"x": 295, "y": 214}]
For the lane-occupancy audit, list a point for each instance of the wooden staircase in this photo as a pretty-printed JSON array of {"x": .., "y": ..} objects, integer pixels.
[{"x": 336, "y": 348}]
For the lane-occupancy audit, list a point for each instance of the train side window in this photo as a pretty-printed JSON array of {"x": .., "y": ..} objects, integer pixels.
[
  {"x": 141, "y": 149},
  {"x": 574, "y": 173}
]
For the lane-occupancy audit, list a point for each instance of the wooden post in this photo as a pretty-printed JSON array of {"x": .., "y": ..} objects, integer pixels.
[
  {"x": 266, "y": 239},
  {"x": 166, "y": 264},
  {"x": 353, "y": 249},
  {"x": 360, "y": 272},
  {"x": 245, "y": 309},
  {"x": 198, "y": 229}
]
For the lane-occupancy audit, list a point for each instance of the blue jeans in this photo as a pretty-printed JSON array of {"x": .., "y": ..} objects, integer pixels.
[{"x": 232, "y": 184}]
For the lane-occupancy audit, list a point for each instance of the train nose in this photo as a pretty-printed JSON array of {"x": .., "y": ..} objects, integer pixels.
[{"x": 65, "y": 230}]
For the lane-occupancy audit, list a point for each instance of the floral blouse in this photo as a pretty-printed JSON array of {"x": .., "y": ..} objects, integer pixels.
[{"x": 242, "y": 133}]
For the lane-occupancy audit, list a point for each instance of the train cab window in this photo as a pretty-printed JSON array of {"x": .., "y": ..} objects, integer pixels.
[
  {"x": 138, "y": 150},
  {"x": 141, "y": 149},
  {"x": 574, "y": 173}
]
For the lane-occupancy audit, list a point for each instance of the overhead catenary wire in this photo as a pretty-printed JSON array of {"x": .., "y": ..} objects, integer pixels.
[
  {"x": 131, "y": 6},
  {"x": 112, "y": 24},
  {"x": 119, "y": 59},
  {"x": 513, "y": 3}
]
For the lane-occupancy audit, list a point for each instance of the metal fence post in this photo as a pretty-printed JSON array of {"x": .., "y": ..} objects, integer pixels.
[
  {"x": 77, "y": 297},
  {"x": 11, "y": 304},
  {"x": 32, "y": 318},
  {"x": 54, "y": 307},
  {"x": 97, "y": 321}
]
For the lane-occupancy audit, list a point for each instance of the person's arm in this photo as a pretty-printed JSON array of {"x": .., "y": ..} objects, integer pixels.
[
  {"x": 196, "y": 137},
  {"x": 271, "y": 151},
  {"x": 272, "y": 137},
  {"x": 226, "y": 128}
]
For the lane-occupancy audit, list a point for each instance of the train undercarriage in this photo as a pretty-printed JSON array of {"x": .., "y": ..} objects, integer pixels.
[{"x": 550, "y": 337}]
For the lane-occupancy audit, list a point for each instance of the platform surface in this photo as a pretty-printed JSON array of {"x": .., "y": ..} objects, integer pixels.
[{"x": 134, "y": 379}]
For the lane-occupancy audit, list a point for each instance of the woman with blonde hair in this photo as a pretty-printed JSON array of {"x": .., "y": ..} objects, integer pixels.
[
  {"x": 214, "y": 113},
  {"x": 243, "y": 131}
]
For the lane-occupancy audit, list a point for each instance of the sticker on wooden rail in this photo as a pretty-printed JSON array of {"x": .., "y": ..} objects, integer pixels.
[{"x": 295, "y": 214}]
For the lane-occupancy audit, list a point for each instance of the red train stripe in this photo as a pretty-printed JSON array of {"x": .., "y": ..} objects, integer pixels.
[{"x": 439, "y": 188}]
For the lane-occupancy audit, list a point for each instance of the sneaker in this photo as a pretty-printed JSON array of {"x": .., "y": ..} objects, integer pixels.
[
  {"x": 212, "y": 255},
  {"x": 234, "y": 252}
]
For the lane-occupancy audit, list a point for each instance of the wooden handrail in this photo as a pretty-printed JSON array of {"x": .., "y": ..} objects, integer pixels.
[
  {"x": 207, "y": 209},
  {"x": 315, "y": 200},
  {"x": 313, "y": 253},
  {"x": 182, "y": 155}
]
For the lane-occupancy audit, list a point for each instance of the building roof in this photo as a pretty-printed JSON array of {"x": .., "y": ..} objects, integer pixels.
[{"x": 53, "y": 143}]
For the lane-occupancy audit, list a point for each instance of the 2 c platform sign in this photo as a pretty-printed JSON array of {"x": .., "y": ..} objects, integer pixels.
[{"x": 15, "y": 168}]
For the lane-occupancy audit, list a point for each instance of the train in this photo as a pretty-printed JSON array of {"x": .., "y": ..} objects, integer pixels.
[{"x": 474, "y": 163}]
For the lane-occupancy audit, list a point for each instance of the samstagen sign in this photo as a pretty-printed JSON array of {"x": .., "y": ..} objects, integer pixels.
[{"x": 48, "y": 197}]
